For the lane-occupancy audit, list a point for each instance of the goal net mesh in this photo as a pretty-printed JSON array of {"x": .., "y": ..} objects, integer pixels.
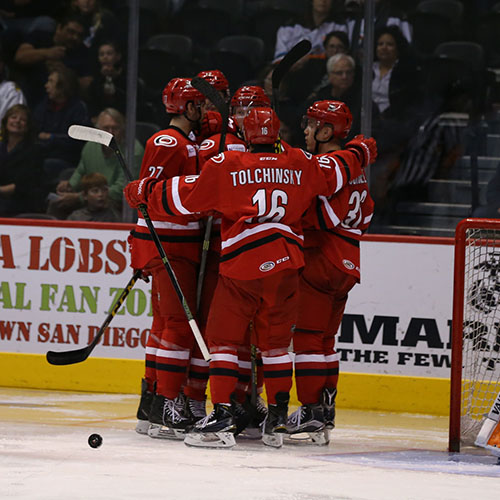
[{"x": 481, "y": 329}]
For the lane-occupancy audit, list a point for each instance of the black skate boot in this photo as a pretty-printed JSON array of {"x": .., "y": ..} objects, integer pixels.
[
  {"x": 275, "y": 421},
  {"x": 144, "y": 409},
  {"x": 215, "y": 430},
  {"x": 310, "y": 419},
  {"x": 328, "y": 401},
  {"x": 257, "y": 414},
  {"x": 167, "y": 419},
  {"x": 195, "y": 410}
]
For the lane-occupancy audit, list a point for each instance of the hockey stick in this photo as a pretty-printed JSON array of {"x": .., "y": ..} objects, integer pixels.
[
  {"x": 79, "y": 355},
  {"x": 105, "y": 138},
  {"x": 296, "y": 52},
  {"x": 213, "y": 95}
]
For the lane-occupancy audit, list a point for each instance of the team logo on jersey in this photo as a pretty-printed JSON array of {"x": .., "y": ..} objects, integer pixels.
[
  {"x": 348, "y": 264},
  {"x": 207, "y": 144},
  {"x": 267, "y": 266},
  {"x": 218, "y": 158},
  {"x": 165, "y": 140}
]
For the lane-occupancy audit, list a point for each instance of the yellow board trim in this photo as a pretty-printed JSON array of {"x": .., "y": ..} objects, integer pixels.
[{"x": 356, "y": 390}]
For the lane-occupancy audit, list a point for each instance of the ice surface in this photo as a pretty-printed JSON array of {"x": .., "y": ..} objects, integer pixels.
[{"x": 44, "y": 454}]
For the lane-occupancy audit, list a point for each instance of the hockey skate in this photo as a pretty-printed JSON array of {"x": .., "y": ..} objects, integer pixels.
[
  {"x": 309, "y": 419},
  {"x": 275, "y": 421},
  {"x": 195, "y": 410},
  {"x": 144, "y": 409},
  {"x": 256, "y": 417},
  {"x": 215, "y": 430},
  {"x": 328, "y": 401},
  {"x": 167, "y": 420}
]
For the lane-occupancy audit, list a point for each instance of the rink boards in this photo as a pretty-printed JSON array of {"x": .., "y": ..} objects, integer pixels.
[{"x": 59, "y": 279}]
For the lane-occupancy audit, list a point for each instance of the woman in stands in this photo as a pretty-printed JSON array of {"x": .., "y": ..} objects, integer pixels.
[{"x": 20, "y": 169}]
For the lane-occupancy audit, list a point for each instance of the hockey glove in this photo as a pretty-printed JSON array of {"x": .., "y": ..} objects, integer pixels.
[
  {"x": 211, "y": 124},
  {"x": 365, "y": 148},
  {"x": 137, "y": 192}
]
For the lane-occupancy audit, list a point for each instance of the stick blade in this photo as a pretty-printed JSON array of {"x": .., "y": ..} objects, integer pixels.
[
  {"x": 298, "y": 51},
  {"x": 67, "y": 357},
  {"x": 90, "y": 134}
]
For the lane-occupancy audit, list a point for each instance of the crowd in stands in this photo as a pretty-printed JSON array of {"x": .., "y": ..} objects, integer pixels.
[{"x": 64, "y": 62}]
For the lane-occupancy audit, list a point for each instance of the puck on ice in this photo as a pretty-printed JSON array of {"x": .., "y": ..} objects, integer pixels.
[{"x": 95, "y": 440}]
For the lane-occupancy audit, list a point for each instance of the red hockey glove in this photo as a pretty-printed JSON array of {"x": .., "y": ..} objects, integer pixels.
[
  {"x": 365, "y": 148},
  {"x": 137, "y": 192},
  {"x": 211, "y": 124}
]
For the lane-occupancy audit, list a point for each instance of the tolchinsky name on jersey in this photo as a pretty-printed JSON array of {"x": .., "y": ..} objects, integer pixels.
[{"x": 266, "y": 175}]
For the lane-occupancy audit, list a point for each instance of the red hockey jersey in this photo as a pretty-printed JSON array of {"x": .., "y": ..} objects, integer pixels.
[
  {"x": 262, "y": 198},
  {"x": 168, "y": 153},
  {"x": 342, "y": 218}
]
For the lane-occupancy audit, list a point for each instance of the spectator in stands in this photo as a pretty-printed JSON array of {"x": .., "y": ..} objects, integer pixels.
[
  {"x": 343, "y": 86},
  {"x": 386, "y": 14},
  {"x": 395, "y": 94},
  {"x": 109, "y": 85},
  {"x": 317, "y": 23},
  {"x": 38, "y": 53},
  {"x": 20, "y": 18},
  {"x": 60, "y": 109},
  {"x": 97, "y": 206},
  {"x": 100, "y": 23},
  {"x": 10, "y": 93},
  {"x": 20, "y": 168},
  {"x": 335, "y": 43},
  {"x": 101, "y": 159}
]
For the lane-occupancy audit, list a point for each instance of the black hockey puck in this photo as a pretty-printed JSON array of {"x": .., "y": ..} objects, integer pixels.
[{"x": 95, "y": 440}]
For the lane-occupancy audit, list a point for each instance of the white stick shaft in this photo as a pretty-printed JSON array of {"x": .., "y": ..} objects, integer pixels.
[{"x": 199, "y": 339}]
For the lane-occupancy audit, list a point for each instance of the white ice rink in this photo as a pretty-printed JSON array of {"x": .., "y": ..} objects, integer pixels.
[{"x": 44, "y": 455}]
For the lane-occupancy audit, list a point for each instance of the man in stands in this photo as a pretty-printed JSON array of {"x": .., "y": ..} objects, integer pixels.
[{"x": 333, "y": 227}]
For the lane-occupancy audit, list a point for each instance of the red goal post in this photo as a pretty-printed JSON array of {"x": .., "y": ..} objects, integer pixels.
[{"x": 475, "y": 355}]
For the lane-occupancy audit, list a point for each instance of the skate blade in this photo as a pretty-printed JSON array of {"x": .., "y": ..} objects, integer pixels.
[
  {"x": 142, "y": 426},
  {"x": 251, "y": 433},
  {"x": 320, "y": 438},
  {"x": 210, "y": 439},
  {"x": 157, "y": 431},
  {"x": 274, "y": 440}
]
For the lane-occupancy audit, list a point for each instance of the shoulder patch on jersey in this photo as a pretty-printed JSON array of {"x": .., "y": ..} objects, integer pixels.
[
  {"x": 236, "y": 147},
  {"x": 165, "y": 140},
  {"x": 267, "y": 266},
  {"x": 307, "y": 154},
  {"x": 348, "y": 264},
  {"x": 218, "y": 158},
  {"x": 207, "y": 144}
]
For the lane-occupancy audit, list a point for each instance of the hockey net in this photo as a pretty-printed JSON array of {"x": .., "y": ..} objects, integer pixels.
[{"x": 475, "y": 370}]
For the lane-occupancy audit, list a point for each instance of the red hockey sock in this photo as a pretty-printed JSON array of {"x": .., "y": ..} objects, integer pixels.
[
  {"x": 310, "y": 377},
  {"x": 196, "y": 385},
  {"x": 171, "y": 371},
  {"x": 223, "y": 373},
  {"x": 277, "y": 375},
  {"x": 332, "y": 369},
  {"x": 151, "y": 349}
]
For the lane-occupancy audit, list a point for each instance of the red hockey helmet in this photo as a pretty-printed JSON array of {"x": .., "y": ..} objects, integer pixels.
[
  {"x": 250, "y": 95},
  {"x": 261, "y": 126},
  {"x": 334, "y": 113},
  {"x": 216, "y": 78},
  {"x": 177, "y": 93}
]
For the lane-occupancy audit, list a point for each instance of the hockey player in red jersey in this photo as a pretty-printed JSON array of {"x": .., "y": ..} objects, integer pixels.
[
  {"x": 331, "y": 250},
  {"x": 244, "y": 99},
  {"x": 261, "y": 196},
  {"x": 168, "y": 153}
]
